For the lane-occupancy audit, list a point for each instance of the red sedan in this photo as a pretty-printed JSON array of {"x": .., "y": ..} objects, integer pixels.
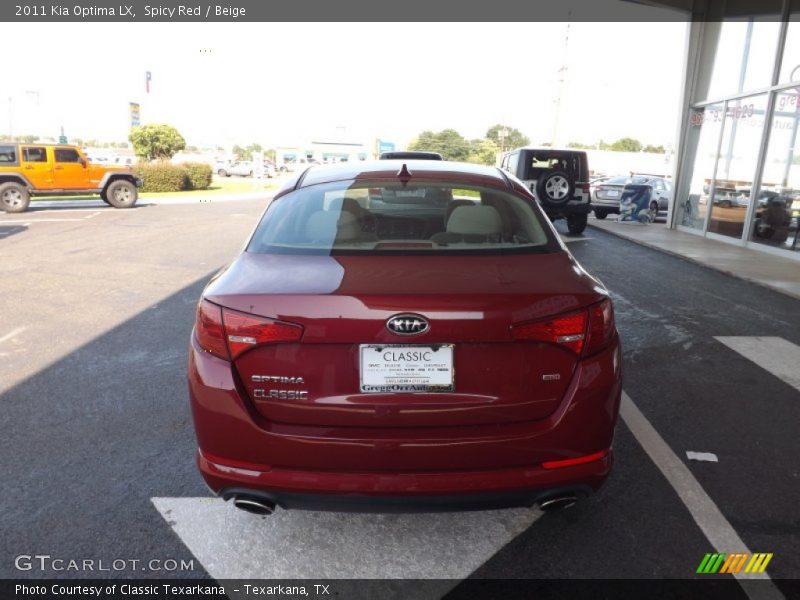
[{"x": 401, "y": 335}]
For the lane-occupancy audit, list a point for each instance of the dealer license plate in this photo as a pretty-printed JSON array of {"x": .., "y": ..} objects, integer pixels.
[{"x": 394, "y": 368}]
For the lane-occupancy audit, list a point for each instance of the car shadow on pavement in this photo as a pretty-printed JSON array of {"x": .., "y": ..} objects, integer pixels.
[
  {"x": 91, "y": 438},
  {"x": 7, "y": 231}
]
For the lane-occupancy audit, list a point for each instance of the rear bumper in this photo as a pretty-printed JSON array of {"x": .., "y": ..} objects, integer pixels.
[
  {"x": 407, "y": 503},
  {"x": 391, "y": 492},
  {"x": 583, "y": 208},
  {"x": 382, "y": 469},
  {"x": 608, "y": 205}
]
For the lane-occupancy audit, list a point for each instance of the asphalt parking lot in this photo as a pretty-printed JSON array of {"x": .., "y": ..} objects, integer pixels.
[{"x": 97, "y": 305}]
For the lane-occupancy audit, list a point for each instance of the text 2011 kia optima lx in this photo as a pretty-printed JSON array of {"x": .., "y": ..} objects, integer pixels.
[{"x": 404, "y": 335}]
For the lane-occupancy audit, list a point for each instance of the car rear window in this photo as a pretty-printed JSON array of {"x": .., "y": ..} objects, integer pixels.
[{"x": 392, "y": 218}]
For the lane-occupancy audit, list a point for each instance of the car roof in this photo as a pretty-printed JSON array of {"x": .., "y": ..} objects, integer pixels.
[
  {"x": 388, "y": 170},
  {"x": 54, "y": 144},
  {"x": 549, "y": 149}
]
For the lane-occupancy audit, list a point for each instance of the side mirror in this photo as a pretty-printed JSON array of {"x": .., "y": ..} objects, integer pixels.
[{"x": 83, "y": 162}]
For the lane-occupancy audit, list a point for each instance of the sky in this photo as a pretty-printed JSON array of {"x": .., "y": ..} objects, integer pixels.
[{"x": 287, "y": 84}]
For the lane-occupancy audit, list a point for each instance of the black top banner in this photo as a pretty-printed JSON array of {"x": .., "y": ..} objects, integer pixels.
[{"x": 357, "y": 10}]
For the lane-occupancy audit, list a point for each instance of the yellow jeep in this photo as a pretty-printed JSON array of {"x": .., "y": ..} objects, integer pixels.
[{"x": 58, "y": 170}]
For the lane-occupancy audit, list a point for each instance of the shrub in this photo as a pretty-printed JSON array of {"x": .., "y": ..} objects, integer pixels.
[
  {"x": 162, "y": 177},
  {"x": 198, "y": 175}
]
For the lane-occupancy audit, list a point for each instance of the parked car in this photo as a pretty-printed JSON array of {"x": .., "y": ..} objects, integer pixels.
[
  {"x": 59, "y": 169},
  {"x": 412, "y": 354},
  {"x": 269, "y": 169},
  {"x": 607, "y": 194},
  {"x": 558, "y": 178},
  {"x": 413, "y": 154},
  {"x": 290, "y": 166},
  {"x": 243, "y": 168}
]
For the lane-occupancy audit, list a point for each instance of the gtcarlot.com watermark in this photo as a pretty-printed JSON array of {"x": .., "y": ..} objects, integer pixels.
[{"x": 48, "y": 563}]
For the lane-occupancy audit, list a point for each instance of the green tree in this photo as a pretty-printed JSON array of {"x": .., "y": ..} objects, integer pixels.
[
  {"x": 483, "y": 152},
  {"x": 152, "y": 142},
  {"x": 627, "y": 144},
  {"x": 447, "y": 142},
  {"x": 580, "y": 146},
  {"x": 238, "y": 152},
  {"x": 514, "y": 138},
  {"x": 28, "y": 139},
  {"x": 655, "y": 149}
]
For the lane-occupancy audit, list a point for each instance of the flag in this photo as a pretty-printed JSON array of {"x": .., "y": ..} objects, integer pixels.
[{"x": 148, "y": 76}]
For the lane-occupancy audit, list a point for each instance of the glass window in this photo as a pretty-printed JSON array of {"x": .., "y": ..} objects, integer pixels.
[
  {"x": 513, "y": 163},
  {"x": 775, "y": 221},
  {"x": 790, "y": 62},
  {"x": 34, "y": 154},
  {"x": 790, "y": 65},
  {"x": 391, "y": 218},
  {"x": 67, "y": 155},
  {"x": 8, "y": 154},
  {"x": 738, "y": 153},
  {"x": 745, "y": 56},
  {"x": 703, "y": 136}
]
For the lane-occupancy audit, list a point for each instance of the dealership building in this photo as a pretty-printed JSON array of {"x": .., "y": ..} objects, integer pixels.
[{"x": 737, "y": 165}]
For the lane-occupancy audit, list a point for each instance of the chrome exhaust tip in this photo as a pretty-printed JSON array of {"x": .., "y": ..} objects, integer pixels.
[
  {"x": 254, "y": 506},
  {"x": 557, "y": 503}
]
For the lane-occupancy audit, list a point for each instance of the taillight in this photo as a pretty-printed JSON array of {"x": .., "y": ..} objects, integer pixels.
[
  {"x": 565, "y": 330},
  {"x": 586, "y": 187},
  {"x": 601, "y": 327},
  {"x": 245, "y": 331},
  {"x": 227, "y": 334},
  {"x": 209, "y": 329},
  {"x": 584, "y": 332}
]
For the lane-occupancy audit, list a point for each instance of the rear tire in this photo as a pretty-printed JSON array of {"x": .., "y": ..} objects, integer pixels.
[
  {"x": 653, "y": 213},
  {"x": 600, "y": 214},
  {"x": 223, "y": 173},
  {"x": 14, "y": 197},
  {"x": 577, "y": 223},
  {"x": 121, "y": 194}
]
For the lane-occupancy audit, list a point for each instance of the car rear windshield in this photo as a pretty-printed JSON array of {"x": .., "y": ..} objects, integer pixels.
[{"x": 392, "y": 218}]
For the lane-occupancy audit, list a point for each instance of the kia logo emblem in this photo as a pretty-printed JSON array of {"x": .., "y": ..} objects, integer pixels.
[{"x": 407, "y": 324}]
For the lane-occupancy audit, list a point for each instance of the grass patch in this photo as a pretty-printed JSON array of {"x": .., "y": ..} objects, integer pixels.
[{"x": 220, "y": 186}]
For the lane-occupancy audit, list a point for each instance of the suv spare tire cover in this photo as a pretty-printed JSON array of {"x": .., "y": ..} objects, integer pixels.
[{"x": 555, "y": 188}]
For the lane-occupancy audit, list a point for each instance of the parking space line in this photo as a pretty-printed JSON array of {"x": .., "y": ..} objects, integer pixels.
[
  {"x": 94, "y": 214},
  {"x": 704, "y": 511},
  {"x": 774, "y": 354},
  {"x": 296, "y": 544},
  {"x": 12, "y": 334}
]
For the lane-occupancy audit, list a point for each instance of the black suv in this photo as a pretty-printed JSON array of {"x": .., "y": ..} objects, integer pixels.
[{"x": 558, "y": 178}]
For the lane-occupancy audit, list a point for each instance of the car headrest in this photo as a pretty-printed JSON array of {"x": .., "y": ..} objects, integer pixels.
[
  {"x": 346, "y": 205},
  {"x": 330, "y": 225},
  {"x": 451, "y": 206},
  {"x": 477, "y": 219}
]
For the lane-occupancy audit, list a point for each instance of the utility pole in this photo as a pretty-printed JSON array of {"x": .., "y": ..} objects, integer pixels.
[
  {"x": 502, "y": 135},
  {"x": 561, "y": 79},
  {"x": 11, "y": 118}
]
